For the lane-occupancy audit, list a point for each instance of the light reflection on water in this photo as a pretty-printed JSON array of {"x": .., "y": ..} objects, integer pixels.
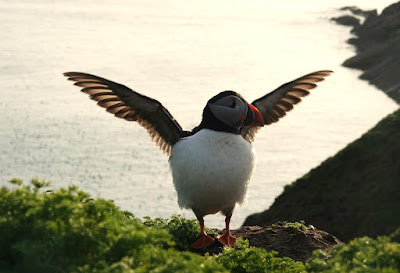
[{"x": 181, "y": 55}]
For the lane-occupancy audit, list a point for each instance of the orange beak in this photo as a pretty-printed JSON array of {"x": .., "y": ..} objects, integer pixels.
[{"x": 258, "y": 119}]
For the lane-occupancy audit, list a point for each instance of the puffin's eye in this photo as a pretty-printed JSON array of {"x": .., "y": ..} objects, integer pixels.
[{"x": 233, "y": 104}]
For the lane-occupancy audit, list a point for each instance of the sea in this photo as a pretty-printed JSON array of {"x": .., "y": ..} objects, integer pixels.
[{"x": 181, "y": 53}]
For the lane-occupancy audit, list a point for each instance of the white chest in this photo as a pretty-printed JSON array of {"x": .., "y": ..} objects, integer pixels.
[{"x": 211, "y": 170}]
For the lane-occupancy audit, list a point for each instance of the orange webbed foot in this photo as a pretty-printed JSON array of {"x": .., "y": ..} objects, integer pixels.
[
  {"x": 203, "y": 241},
  {"x": 227, "y": 239}
]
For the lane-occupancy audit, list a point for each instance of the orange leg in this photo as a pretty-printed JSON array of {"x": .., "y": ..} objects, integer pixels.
[
  {"x": 204, "y": 240},
  {"x": 227, "y": 239}
]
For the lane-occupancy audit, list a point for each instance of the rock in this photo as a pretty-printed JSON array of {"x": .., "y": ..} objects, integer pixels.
[
  {"x": 346, "y": 20},
  {"x": 295, "y": 243},
  {"x": 360, "y": 12}
]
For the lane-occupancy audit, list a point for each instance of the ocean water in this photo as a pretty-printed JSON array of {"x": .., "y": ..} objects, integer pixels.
[{"x": 181, "y": 54}]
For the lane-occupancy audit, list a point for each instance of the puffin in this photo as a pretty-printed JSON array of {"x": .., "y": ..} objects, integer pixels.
[{"x": 213, "y": 163}]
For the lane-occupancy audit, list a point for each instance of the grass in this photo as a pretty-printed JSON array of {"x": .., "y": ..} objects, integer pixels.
[{"x": 353, "y": 194}]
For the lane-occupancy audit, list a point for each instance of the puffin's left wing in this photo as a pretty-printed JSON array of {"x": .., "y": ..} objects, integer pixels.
[
  {"x": 275, "y": 104},
  {"x": 125, "y": 103}
]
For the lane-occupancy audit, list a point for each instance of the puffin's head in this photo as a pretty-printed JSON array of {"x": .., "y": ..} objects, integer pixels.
[{"x": 232, "y": 110}]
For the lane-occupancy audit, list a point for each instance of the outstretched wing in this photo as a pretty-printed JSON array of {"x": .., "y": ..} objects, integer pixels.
[
  {"x": 274, "y": 105},
  {"x": 132, "y": 106}
]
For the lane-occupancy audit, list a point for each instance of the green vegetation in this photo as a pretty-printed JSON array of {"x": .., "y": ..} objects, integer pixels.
[
  {"x": 395, "y": 236},
  {"x": 359, "y": 256},
  {"x": 251, "y": 259},
  {"x": 355, "y": 193},
  {"x": 68, "y": 231},
  {"x": 184, "y": 232},
  {"x": 292, "y": 226}
]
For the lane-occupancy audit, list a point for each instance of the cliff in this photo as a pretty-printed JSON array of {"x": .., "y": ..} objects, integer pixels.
[{"x": 354, "y": 193}]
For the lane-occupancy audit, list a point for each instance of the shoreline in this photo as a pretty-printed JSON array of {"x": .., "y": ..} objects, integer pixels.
[
  {"x": 377, "y": 45},
  {"x": 355, "y": 193}
]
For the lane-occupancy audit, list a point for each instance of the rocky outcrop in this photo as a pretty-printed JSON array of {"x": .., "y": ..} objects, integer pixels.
[
  {"x": 294, "y": 240},
  {"x": 347, "y": 20},
  {"x": 377, "y": 43}
]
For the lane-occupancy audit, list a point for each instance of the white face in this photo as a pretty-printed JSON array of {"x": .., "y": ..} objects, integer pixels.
[{"x": 231, "y": 110}]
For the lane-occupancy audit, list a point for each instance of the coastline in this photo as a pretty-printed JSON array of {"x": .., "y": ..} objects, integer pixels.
[
  {"x": 355, "y": 193},
  {"x": 377, "y": 44}
]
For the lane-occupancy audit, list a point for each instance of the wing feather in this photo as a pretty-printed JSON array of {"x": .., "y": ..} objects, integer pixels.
[
  {"x": 125, "y": 103},
  {"x": 275, "y": 104}
]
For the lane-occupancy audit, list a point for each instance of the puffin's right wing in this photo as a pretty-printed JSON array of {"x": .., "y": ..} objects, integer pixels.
[
  {"x": 125, "y": 103},
  {"x": 275, "y": 104}
]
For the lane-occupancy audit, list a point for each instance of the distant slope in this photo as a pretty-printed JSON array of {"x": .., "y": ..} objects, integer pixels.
[{"x": 354, "y": 193}]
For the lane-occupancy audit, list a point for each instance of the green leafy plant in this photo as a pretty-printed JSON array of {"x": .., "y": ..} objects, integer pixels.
[
  {"x": 292, "y": 226},
  {"x": 360, "y": 255},
  {"x": 184, "y": 232},
  {"x": 68, "y": 231},
  {"x": 251, "y": 259}
]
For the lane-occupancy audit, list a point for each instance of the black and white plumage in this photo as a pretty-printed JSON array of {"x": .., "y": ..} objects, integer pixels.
[{"x": 212, "y": 164}]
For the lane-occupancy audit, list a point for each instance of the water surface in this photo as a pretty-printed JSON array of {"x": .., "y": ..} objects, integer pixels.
[{"x": 182, "y": 55}]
